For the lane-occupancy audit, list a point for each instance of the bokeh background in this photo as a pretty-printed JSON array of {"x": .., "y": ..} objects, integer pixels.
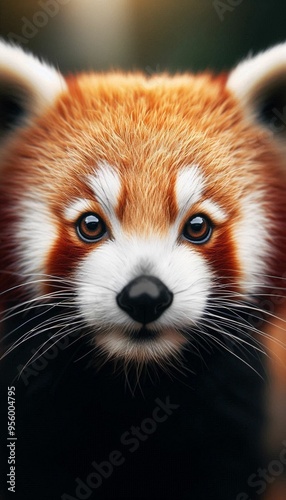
[{"x": 152, "y": 35}]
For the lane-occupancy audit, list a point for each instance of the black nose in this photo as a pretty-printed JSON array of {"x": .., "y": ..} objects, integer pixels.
[{"x": 145, "y": 298}]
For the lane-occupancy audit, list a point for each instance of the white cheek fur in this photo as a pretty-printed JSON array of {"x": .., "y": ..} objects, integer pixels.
[
  {"x": 252, "y": 243},
  {"x": 36, "y": 234}
]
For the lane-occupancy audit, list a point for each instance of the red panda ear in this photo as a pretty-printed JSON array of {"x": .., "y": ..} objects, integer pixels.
[
  {"x": 259, "y": 83},
  {"x": 27, "y": 86}
]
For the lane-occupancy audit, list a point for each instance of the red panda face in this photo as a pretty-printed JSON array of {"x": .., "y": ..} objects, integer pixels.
[{"x": 145, "y": 205}]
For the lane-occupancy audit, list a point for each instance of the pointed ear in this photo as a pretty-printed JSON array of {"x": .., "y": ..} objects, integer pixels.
[
  {"x": 27, "y": 87},
  {"x": 259, "y": 83}
]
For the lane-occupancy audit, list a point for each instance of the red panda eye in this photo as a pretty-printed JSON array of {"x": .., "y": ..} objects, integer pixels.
[
  {"x": 198, "y": 229},
  {"x": 91, "y": 227}
]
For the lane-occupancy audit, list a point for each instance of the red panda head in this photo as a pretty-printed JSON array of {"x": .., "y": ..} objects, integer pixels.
[{"x": 145, "y": 204}]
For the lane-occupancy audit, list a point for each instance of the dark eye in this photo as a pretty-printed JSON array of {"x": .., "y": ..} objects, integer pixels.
[
  {"x": 198, "y": 229},
  {"x": 91, "y": 227}
]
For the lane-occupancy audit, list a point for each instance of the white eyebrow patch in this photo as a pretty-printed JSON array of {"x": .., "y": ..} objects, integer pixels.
[
  {"x": 189, "y": 187},
  {"x": 214, "y": 211},
  {"x": 106, "y": 185},
  {"x": 189, "y": 191},
  {"x": 76, "y": 208}
]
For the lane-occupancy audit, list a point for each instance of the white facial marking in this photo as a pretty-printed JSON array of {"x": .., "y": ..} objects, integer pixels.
[
  {"x": 189, "y": 187},
  {"x": 214, "y": 211},
  {"x": 106, "y": 185},
  {"x": 189, "y": 191},
  {"x": 37, "y": 235},
  {"x": 251, "y": 239},
  {"x": 77, "y": 207}
]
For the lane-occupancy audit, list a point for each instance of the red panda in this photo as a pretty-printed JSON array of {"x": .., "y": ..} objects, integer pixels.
[{"x": 147, "y": 215}]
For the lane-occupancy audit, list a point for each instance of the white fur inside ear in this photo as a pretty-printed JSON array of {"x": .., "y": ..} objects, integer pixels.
[
  {"x": 254, "y": 74},
  {"x": 25, "y": 73}
]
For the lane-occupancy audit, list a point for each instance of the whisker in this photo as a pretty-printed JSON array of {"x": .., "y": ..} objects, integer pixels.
[{"x": 58, "y": 336}]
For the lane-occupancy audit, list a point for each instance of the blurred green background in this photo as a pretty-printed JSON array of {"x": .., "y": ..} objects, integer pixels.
[{"x": 152, "y": 35}]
